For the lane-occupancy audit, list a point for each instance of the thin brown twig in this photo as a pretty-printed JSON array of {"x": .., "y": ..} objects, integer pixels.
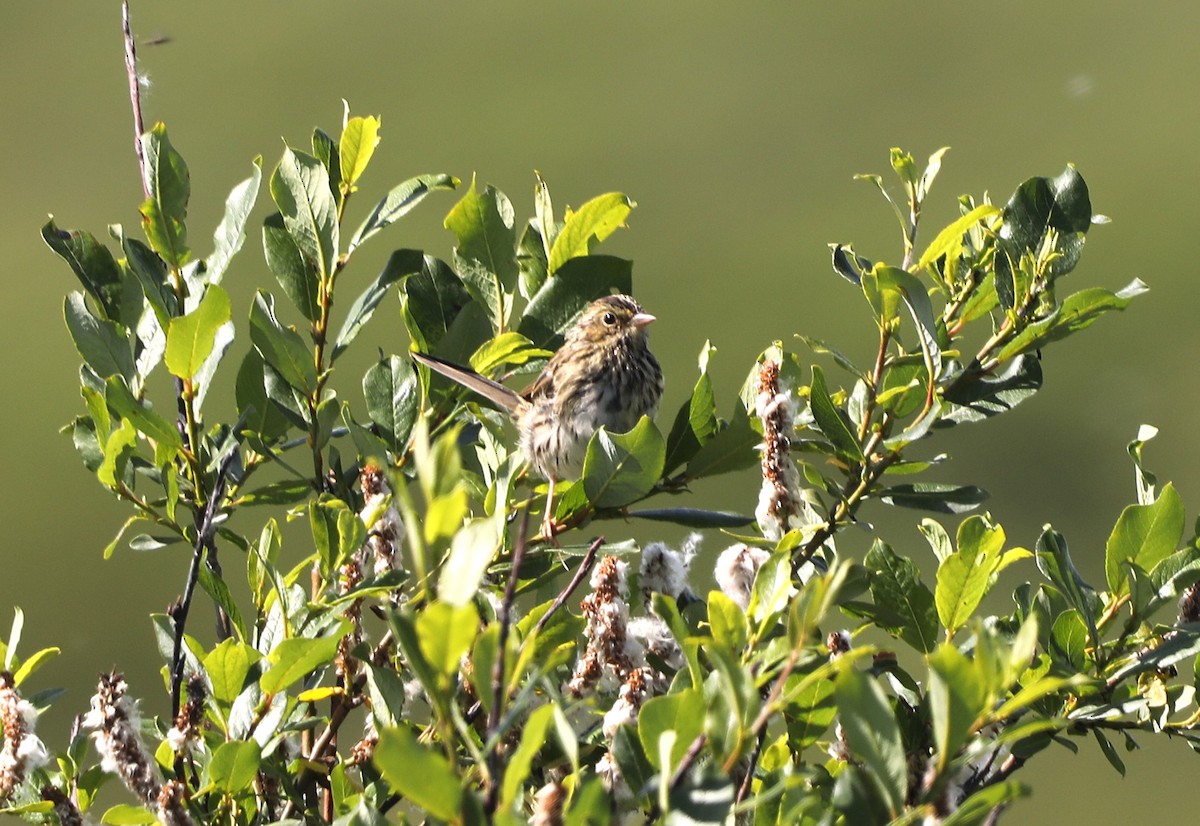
[
  {"x": 135, "y": 94},
  {"x": 585, "y": 567}
]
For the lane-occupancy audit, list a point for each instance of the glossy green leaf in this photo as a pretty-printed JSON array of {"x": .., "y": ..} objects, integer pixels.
[
  {"x": 234, "y": 766},
  {"x": 935, "y": 496},
  {"x": 732, "y": 448},
  {"x": 446, "y": 632},
  {"x": 146, "y": 420},
  {"x": 231, "y": 232},
  {"x": 92, "y": 263},
  {"x": 810, "y": 712},
  {"x": 873, "y": 735},
  {"x": 907, "y": 606},
  {"x": 1054, "y": 560},
  {"x": 257, "y": 411},
  {"x": 430, "y": 301},
  {"x": 398, "y": 203},
  {"x": 472, "y": 549},
  {"x": 486, "y": 255},
  {"x": 849, "y": 264},
  {"x": 948, "y": 242},
  {"x": 337, "y": 532},
  {"x": 118, "y": 447},
  {"x": 151, "y": 275},
  {"x": 190, "y": 338},
  {"x": 300, "y": 188},
  {"x": 390, "y": 388},
  {"x": 730, "y": 630},
  {"x": 621, "y": 468},
  {"x": 227, "y": 667},
  {"x": 164, "y": 214},
  {"x": 294, "y": 659},
  {"x": 100, "y": 342},
  {"x": 399, "y": 264},
  {"x": 957, "y": 697},
  {"x": 296, "y": 274},
  {"x": 506, "y": 349},
  {"x": 681, "y": 713},
  {"x": 964, "y": 576},
  {"x": 418, "y": 773},
  {"x": 696, "y": 421},
  {"x": 1069, "y": 639},
  {"x": 281, "y": 347},
  {"x": 533, "y": 735},
  {"x": 1145, "y": 535},
  {"x": 977, "y": 396},
  {"x": 562, "y": 297},
  {"x": 590, "y": 224},
  {"x": 1077, "y": 312},
  {"x": 124, "y": 814},
  {"x": 831, "y": 420},
  {"x": 693, "y": 517},
  {"x": 360, "y": 136}
]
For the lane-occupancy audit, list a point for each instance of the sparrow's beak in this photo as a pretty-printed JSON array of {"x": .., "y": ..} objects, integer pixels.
[{"x": 640, "y": 320}]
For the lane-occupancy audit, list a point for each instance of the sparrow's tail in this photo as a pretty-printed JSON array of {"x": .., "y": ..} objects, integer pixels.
[{"x": 492, "y": 391}]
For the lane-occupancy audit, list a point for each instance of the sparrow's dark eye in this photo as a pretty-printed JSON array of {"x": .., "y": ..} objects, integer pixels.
[{"x": 610, "y": 319}]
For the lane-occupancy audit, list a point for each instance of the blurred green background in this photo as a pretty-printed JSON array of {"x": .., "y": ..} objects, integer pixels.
[{"x": 736, "y": 127}]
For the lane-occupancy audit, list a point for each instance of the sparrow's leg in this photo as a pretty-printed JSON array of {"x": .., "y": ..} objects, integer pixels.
[{"x": 549, "y": 526}]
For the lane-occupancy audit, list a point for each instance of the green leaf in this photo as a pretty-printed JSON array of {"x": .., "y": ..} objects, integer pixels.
[
  {"x": 907, "y": 605},
  {"x": 150, "y": 423},
  {"x": 124, "y": 814},
  {"x": 681, "y": 713},
  {"x": 280, "y": 347},
  {"x": 337, "y": 532},
  {"x": 296, "y": 274},
  {"x": 165, "y": 212},
  {"x": 118, "y": 447},
  {"x": 975, "y": 810},
  {"x": 935, "y": 496},
  {"x": 1069, "y": 639},
  {"x": 92, "y": 263},
  {"x": 102, "y": 343},
  {"x": 31, "y": 664},
  {"x": 562, "y": 297},
  {"x": 1076, "y": 313},
  {"x": 360, "y": 136},
  {"x": 151, "y": 274},
  {"x": 696, "y": 421},
  {"x": 227, "y": 667},
  {"x": 486, "y": 255},
  {"x": 957, "y": 697},
  {"x": 399, "y": 264},
  {"x": 398, "y": 203},
  {"x": 730, "y": 630},
  {"x": 472, "y": 550},
  {"x": 260, "y": 415},
  {"x": 190, "y": 338},
  {"x": 445, "y": 633},
  {"x": 418, "y": 773},
  {"x": 964, "y": 576},
  {"x": 693, "y": 517},
  {"x": 1054, "y": 560},
  {"x": 849, "y": 264},
  {"x": 295, "y": 658},
  {"x": 300, "y": 188},
  {"x": 589, "y": 225},
  {"x": 810, "y": 711},
  {"x": 831, "y": 420},
  {"x": 430, "y": 301},
  {"x": 533, "y": 736},
  {"x": 231, "y": 232},
  {"x": 234, "y": 766},
  {"x": 948, "y": 242},
  {"x": 390, "y": 388},
  {"x": 873, "y": 735},
  {"x": 621, "y": 468},
  {"x": 504, "y": 350},
  {"x": 1144, "y": 535},
  {"x": 731, "y": 449},
  {"x": 912, "y": 293},
  {"x": 978, "y": 396}
]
